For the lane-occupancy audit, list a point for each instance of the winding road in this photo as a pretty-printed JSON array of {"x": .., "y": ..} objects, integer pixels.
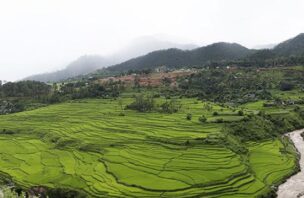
[{"x": 294, "y": 186}]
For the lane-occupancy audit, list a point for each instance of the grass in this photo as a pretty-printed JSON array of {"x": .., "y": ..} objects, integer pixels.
[{"x": 86, "y": 145}]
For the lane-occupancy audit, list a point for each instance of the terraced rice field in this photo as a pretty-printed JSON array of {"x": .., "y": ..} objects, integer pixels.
[{"x": 86, "y": 145}]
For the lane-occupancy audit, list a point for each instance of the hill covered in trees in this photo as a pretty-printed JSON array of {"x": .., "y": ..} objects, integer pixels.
[
  {"x": 218, "y": 132},
  {"x": 294, "y": 46},
  {"x": 289, "y": 52},
  {"x": 89, "y": 63},
  {"x": 82, "y": 65},
  {"x": 176, "y": 58}
]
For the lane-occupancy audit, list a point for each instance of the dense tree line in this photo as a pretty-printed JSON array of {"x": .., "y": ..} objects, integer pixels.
[
  {"x": 264, "y": 126},
  {"x": 239, "y": 86},
  {"x": 79, "y": 90},
  {"x": 19, "y": 96},
  {"x": 264, "y": 59},
  {"x": 219, "y": 54},
  {"x": 24, "y": 89},
  {"x": 146, "y": 103}
]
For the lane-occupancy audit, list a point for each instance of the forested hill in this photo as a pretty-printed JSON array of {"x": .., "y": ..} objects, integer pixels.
[
  {"x": 81, "y": 66},
  {"x": 289, "y": 52},
  {"x": 294, "y": 46},
  {"x": 90, "y": 63},
  {"x": 176, "y": 58}
]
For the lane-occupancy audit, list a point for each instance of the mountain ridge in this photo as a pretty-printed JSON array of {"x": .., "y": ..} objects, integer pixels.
[
  {"x": 178, "y": 58},
  {"x": 293, "y": 46},
  {"x": 89, "y": 63}
]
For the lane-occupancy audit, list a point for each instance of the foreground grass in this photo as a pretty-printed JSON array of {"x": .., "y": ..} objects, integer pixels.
[{"x": 86, "y": 145}]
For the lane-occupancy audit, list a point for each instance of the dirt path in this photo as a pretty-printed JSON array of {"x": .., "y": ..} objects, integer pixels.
[{"x": 294, "y": 186}]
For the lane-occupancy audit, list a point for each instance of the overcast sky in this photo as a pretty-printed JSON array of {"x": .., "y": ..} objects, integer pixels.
[{"x": 44, "y": 35}]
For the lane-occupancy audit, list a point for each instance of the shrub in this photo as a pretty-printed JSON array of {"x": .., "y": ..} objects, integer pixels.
[
  {"x": 172, "y": 106},
  {"x": 189, "y": 116},
  {"x": 219, "y": 120},
  {"x": 286, "y": 86},
  {"x": 261, "y": 113},
  {"x": 64, "y": 143},
  {"x": 202, "y": 119},
  {"x": 65, "y": 193},
  {"x": 142, "y": 103},
  {"x": 240, "y": 113},
  {"x": 246, "y": 118},
  {"x": 157, "y": 95},
  {"x": 297, "y": 109},
  {"x": 121, "y": 114},
  {"x": 215, "y": 113},
  {"x": 7, "y": 132}
]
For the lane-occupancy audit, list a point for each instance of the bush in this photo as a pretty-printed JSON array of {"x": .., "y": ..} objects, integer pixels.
[
  {"x": 65, "y": 193},
  {"x": 256, "y": 128},
  {"x": 240, "y": 113},
  {"x": 7, "y": 132},
  {"x": 172, "y": 106},
  {"x": 142, "y": 103},
  {"x": 189, "y": 116},
  {"x": 286, "y": 86},
  {"x": 297, "y": 109},
  {"x": 202, "y": 119},
  {"x": 246, "y": 118},
  {"x": 121, "y": 114},
  {"x": 219, "y": 120},
  {"x": 215, "y": 113}
]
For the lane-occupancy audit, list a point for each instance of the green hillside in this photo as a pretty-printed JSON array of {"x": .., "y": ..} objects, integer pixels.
[{"x": 86, "y": 145}]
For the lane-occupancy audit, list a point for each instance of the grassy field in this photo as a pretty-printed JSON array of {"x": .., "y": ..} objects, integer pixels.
[{"x": 86, "y": 145}]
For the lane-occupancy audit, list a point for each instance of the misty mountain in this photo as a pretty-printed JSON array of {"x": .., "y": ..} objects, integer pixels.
[
  {"x": 176, "y": 58},
  {"x": 172, "y": 57},
  {"x": 293, "y": 46},
  {"x": 285, "y": 49},
  {"x": 146, "y": 44},
  {"x": 82, "y": 65},
  {"x": 88, "y": 64},
  {"x": 266, "y": 46}
]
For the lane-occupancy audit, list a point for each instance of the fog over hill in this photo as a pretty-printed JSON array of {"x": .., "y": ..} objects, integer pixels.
[
  {"x": 150, "y": 53},
  {"x": 266, "y": 46},
  {"x": 89, "y": 63}
]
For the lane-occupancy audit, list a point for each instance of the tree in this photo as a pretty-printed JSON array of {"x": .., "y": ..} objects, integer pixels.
[
  {"x": 166, "y": 81},
  {"x": 286, "y": 86},
  {"x": 240, "y": 113},
  {"x": 208, "y": 107},
  {"x": 137, "y": 82},
  {"x": 189, "y": 116},
  {"x": 142, "y": 103},
  {"x": 120, "y": 103},
  {"x": 171, "y": 106},
  {"x": 215, "y": 113},
  {"x": 202, "y": 119}
]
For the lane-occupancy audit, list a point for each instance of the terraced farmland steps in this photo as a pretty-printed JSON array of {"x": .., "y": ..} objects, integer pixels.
[{"x": 294, "y": 186}]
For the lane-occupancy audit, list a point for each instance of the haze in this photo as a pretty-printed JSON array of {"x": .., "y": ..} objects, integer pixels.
[{"x": 45, "y": 35}]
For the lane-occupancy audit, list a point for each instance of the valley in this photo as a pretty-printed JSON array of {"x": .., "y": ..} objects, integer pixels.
[
  {"x": 86, "y": 145},
  {"x": 202, "y": 131},
  {"x": 151, "y": 99}
]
